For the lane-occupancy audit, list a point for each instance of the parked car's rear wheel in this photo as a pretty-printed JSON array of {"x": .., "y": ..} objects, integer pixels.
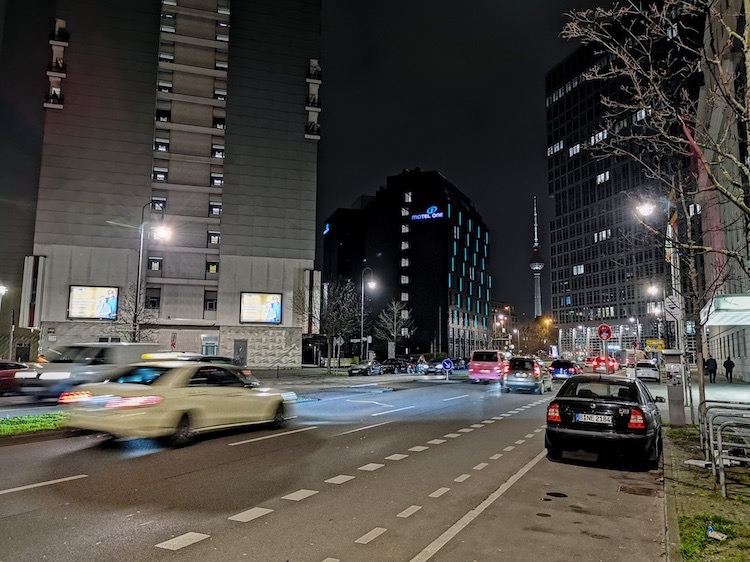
[{"x": 183, "y": 434}]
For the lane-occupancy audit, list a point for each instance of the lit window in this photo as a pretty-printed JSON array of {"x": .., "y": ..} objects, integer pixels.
[
  {"x": 166, "y": 57},
  {"x": 601, "y": 178},
  {"x": 404, "y": 262},
  {"x": 217, "y": 150},
  {"x": 167, "y": 28},
  {"x": 404, "y": 228},
  {"x": 217, "y": 179},
  {"x": 578, "y": 270},
  {"x": 161, "y": 144},
  {"x": 404, "y": 279},
  {"x": 220, "y": 123},
  {"x": 555, "y": 148},
  {"x": 220, "y": 94},
  {"x": 573, "y": 150},
  {"x": 222, "y": 37},
  {"x": 160, "y": 174},
  {"x": 163, "y": 115},
  {"x": 214, "y": 238},
  {"x": 155, "y": 264},
  {"x": 672, "y": 31},
  {"x": 407, "y": 197},
  {"x": 158, "y": 204},
  {"x": 221, "y": 65},
  {"x": 404, "y": 244},
  {"x": 404, "y": 297},
  {"x": 214, "y": 209},
  {"x": 640, "y": 115},
  {"x": 212, "y": 267},
  {"x": 598, "y": 137},
  {"x": 404, "y": 212},
  {"x": 164, "y": 85}
]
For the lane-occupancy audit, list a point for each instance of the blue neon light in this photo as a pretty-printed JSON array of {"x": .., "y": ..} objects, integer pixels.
[{"x": 431, "y": 213}]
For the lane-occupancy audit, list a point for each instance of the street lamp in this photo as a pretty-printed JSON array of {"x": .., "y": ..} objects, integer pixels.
[
  {"x": 160, "y": 233},
  {"x": 371, "y": 283},
  {"x": 3, "y": 290},
  {"x": 515, "y": 331}
]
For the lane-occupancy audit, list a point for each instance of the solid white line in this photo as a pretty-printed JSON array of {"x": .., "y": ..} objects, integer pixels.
[
  {"x": 362, "y": 428},
  {"x": 443, "y": 539},
  {"x": 372, "y": 402},
  {"x": 182, "y": 541},
  {"x": 273, "y": 436},
  {"x": 250, "y": 514},
  {"x": 391, "y": 411},
  {"x": 409, "y": 511},
  {"x": 455, "y": 398},
  {"x": 375, "y": 533},
  {"x": 40, "y": 484}
]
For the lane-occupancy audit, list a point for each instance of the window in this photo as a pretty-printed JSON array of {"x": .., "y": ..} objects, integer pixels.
[
  {"x": 160, "y": 174},
  {"x": 640, "y": 115},
  {"x": 601, "y": 178},
  {"x": 158, "y": 203},
  {"x": 598, "y": 137},
  {"x": 217, "y": 179},
  {"x": 404, "y": 229},
  {"x": 221, "y": 65},
  {"x": 166, "y": 57},
  {"x": 222, "y": 37},
  {"x": 210, "y": 300},
  {"x": 219, "y": 123},
  {"x": 220, "y": 94},
  {"x": 404, "y": 262},
  {"x": 404, "y": 279},
  {"x": 161, "y": 144},
  {"x": 163, "y": 115},
  {"x": 578, "y": 270},
  {"x": 407, "y": 197},
  {"x": 155, "y": 264},
  {"x": 214, "y": 209},
  {"x": 404, "y": 297},
  {"x": 212, "y": 267},
  {"x": 404, "y": 212},
  {"x": 672, "y": 31},
  {"x": 217, "y": 150},
  {"x": 153, "y": 298},
  {"x": 555, "y": 148},
  {"x": 573, "y": 150},
  {"x": 213, "y": 238},
  {"x": 404, "y": 244},
  {"x": 164, "y": 85}
]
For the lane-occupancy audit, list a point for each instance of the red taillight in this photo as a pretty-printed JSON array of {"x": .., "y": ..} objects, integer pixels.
[
  {"x": 133, "y": 401},
  {"x": 637, "y": 421},
  {"x": 572, "y": 371},
  {"x": 553, "y": 413},
  {"x": 73, "y": 397},
  {"x": 506, "y": 369},
  {"x": 537, "y": 371}
]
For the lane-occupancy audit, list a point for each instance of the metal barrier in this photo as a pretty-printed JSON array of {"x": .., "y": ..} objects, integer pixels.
[
  {"x": 703, "y": 426},
  {"x": 727, "y": 413},
  {"x": 740, "y": 428}
]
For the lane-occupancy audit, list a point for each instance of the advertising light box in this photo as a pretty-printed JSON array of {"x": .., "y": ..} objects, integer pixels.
[
  {"x": 92, "y": 303},
  {"x": 264, "y": 308}
]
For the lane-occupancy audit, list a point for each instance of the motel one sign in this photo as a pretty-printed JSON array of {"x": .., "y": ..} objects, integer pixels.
[{"x": 431, "y": 213}]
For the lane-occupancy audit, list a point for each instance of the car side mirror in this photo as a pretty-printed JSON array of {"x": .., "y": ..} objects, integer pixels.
[{"x": 659, "y": 399}]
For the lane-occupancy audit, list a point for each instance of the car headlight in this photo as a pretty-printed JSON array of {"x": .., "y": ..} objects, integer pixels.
[{"x": 55, "y": 376}]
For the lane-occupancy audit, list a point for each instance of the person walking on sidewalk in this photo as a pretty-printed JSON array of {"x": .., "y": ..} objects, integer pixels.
[
  {"x": 728, "y": 368},
  {"x": 712, "y": 367}
]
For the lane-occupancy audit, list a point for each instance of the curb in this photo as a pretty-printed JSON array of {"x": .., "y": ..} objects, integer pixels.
[
  {"x": 47, "y": 435},
  {"x": 672, "y": 526}
]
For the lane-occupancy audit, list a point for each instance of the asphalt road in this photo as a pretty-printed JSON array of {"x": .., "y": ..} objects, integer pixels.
[{"x": 426, "y": 471}]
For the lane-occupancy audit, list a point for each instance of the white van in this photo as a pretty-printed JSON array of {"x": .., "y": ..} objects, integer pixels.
[{"x": 78, "y": 363}]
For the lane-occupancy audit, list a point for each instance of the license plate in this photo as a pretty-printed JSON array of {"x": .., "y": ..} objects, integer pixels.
[
  {"x": 522, "y": 375},
  {"x": 594, "y": 418}
]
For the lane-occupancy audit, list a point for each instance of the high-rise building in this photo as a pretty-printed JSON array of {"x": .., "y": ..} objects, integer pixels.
[
  {"x": 428, "y": 248},
  {"x": 200, "y": 116}
]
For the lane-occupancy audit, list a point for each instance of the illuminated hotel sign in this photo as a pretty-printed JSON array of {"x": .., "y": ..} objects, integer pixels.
[{"x": 431, "y": 213}]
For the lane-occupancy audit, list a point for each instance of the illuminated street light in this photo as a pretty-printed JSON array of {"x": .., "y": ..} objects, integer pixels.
[{"x": 515, "y": 331}]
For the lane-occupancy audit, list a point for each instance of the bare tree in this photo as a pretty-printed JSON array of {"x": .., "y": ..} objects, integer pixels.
[
  {"x": 123, "y": 327},
  {"x": 394, "y": 323},
  {"x": 680, "y": 112}
]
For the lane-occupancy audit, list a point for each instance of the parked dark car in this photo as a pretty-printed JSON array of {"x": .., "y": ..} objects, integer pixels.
[
  {"x": 605, "y": 414},
  {"x": 365, "y": 368},
  {"x": 395, "y": 365},
  {"x": 564, "y": 369}
]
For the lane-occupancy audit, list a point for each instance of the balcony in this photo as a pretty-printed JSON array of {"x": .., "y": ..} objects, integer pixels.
[
  {"x": 57, "y": 69},
  {"x": 53, "y": 101},
  {"x": 312, "y": 103},
  {"x": 59, "y": 37},
  {"x": 312, "y": 131},
  {"x": 315, "y": 75}
]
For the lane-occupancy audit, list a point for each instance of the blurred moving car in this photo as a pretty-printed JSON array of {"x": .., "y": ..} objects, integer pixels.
[
  {"x": 395, "y": 365},
  {"x": 486, "y": 365},
  {"x": 187, "y": 356},
  {"x": 174, "y": 399},
  {"x": 606, "y": 364},
  {"x": 9, "y": 384},
  {"x": 647, "y": 371},
  {"x": 605, "y": 415},
  {"x": 365, "y": 368},
  {"x": 563, "y": 369},
  {"x": 526, "y": 373}
]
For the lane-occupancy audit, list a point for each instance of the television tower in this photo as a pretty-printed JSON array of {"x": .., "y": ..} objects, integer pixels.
[{"x": 536, "y": 264}]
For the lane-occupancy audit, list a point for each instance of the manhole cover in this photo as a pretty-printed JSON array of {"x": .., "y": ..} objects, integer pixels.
[{"x": 638, "y": 491}]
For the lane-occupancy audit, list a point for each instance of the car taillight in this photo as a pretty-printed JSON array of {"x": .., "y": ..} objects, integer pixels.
[
  {"x": 572, "y": 371},
  {"x": 73, "y": 397},
  {"x": 553, "y": 413},
  {"x": 133, "y": 401},
  {"x": 537, "y": 371},
  {"x": 506, "y": 369},
  {"x": 637, "y": 421}
]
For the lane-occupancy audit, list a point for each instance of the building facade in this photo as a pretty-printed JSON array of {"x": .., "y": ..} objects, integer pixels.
[
  {"x": 199, "y": 116},
  {"x": 428, "y": 248}
]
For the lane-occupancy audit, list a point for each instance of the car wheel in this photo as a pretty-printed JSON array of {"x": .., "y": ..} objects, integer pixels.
[
  {"x": 507, "y": 389},
  {"x": 183, "y": 433},
  {"x": 279, "y": 418}
]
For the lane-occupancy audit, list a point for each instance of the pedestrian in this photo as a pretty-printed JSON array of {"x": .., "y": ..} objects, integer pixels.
[
  {"x": 712, "y": 367},
  {"x": 728, "y": 368}
]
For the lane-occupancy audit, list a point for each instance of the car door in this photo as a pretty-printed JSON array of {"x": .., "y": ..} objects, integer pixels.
[
  {"x": 238, "y": 403},
  {"x": 214, "y": 395}
]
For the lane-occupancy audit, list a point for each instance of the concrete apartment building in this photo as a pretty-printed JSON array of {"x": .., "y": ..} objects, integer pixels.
[{"x": 200, "y": 116}]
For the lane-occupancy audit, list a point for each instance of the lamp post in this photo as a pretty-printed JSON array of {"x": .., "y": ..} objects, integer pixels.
[
  {"x": 3, "y": 290},
  {"x": 370, "y": 284},
  {"x": 515, "y": 331},
  {"x": 161, "y": 233},
  {"x": 654, "y": 290}
]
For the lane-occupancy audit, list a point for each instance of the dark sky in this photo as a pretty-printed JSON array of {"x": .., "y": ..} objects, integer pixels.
[{"x": 451, "y": 86}]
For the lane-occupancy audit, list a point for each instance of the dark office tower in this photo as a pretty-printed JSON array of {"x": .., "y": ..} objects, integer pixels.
[
  {"x": 428, "y": 248},
  {"x": 200, "y": 116},
  {"x": 603, "y": 261},
  {"x": 536, "y": 264}
]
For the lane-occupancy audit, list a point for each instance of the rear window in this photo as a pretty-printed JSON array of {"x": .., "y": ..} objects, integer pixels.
[
  {"x": 140, "y": 375},
  {"x": 488, "y": 356},
  {"x": 615, "y": 391},
  {"x": 522, "y": 364},
  {"x": 645, "y": 365},
  {"x": 561, "y": 364}
]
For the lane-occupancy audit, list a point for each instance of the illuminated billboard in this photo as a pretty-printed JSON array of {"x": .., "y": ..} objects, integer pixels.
[
  {"x": 92, "y": 303},
  {"x": 265, "y": 308}
]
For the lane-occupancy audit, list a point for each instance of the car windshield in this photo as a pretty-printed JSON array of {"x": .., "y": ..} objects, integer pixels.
[
  {"x": 489, "y": 356},
  {"x": 139, "y": 375},
  {"x": 561, "y": 364},
  {"x": 604, "y": 390},
  {"x": 71, "y": 354},
  {"x": 645, "y": 366}
]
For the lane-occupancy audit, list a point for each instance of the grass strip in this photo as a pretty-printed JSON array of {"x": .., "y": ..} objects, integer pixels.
[{"x": 20, "y": 425}]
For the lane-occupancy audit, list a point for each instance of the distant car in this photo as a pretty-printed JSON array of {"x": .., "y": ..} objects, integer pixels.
[
  {"x": 526, "y": 373},
  {"x": 605, "y": 415},
  {"x": 434, "y": 367},
  {"x": 605, "y": 364},
  {"x": 564, "y": 369},
  {"x": 365, "y": 368},
  {"x": 647, "y": 371},
  {"x": 395, "y": 365},
  {"x": 174, "y": 399},
  {"x": 486, "y": 365},
  {"x": 9, "y": 384}
]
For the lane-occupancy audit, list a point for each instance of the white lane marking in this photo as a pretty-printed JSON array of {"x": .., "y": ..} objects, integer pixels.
[
  {"x": 481, "y": 466},
  {"x": 332, "y": 560},
  {"x": 455, "y": 398},
  {"x": 250, "y": 514},
  {"x": 520, "y": 441},
  {"x": 436, "y": 441},
  {"x": 538, "y": 430},
  {"x": 391, "y": 411},
  {"x": 443, "y": 539},
  {"x": 488, "y": 421},
  {"x": 40, "y": 484},
  {"x": 273, "y": 436},
  {"x": 439, "y": 492},
  {"x": 374, "y": 534},
  {"x": 477, "y": 425},
  {"x": 371, "y": 466},
  {"x": 299, "y": 495},
  {"x": 529, "y": 435},
  {"x": 505, "y": 415},
  {"x": 182, "y": 541},
  {"x": 396, "y": 457},
  {"x": 496, "y": 456},
  {"x": 514, "y": 411},
  {"x": 418, "y": 448},
  {"x": 509, "y": 448},
  {"x": 452, "y": 435},
  {"x": 465, "y": 430},
  {"x": 498, "y": 418},
  {"x": 363, "y": 428},
  {"x": 372, "y": 402},
  {"x": 340, "y": 479},
  {"x": 462, "y": 478},
  {"x": 409, "y": 511}
]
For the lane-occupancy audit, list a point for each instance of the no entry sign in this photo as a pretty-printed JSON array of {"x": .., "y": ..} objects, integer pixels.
[{"x": 604, "y": 331}]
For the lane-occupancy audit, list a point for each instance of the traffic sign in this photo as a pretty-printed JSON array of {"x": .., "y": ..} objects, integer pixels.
[
  {"x": 447, "y": 365},
  {"x": 654, "y": 345},
  {"x": 604, "y": 331}
]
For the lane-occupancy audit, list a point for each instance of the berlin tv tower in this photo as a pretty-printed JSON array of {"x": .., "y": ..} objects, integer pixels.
[{"x": 536, "y": 264}]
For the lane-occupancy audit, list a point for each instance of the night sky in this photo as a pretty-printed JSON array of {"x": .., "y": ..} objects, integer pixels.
[{"x": 451, "y": 86}]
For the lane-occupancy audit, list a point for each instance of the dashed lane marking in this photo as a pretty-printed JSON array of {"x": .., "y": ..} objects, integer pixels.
[
  {"x": 251, "y": 514},
  {"x": 340, "y": 479},
  {"x": 391, "y": 411},
  {"x": 496, "y": 456},
  {"x": 371, "y": 467},
  {"x": 40, "y": 484},
  {"x": 506, "y": 415},
  {"x": 436, "y": 442},
  {"x": 452, "y": 435},
  {"x": 332, "y": 560},
  {"x": 455, "y": 398},
  {"x": 498, "y": 418},
  {"x": 538, "y": 430},
  {"x": 439, "y": 492},
  {"x": 488, "y": 421},
  {"x": 509, "y": 448},
  {"x": 477, "y": 425},
  {"x": 372, "y": 535},
  {"x": 465, "y": 430},
  {"x": 520, "y": 441},
  {"x": 418, "y": 448},
  {"x": 409, "y": 511},
  {"x": 481, "y": 466},
  {"x": 273, "y": 436},
  {"x": 299, "y": 495},
  {"x": 529, "y": 435},
  {"x": 182, "y": 541},
  {"x": 462, "y": 478},
  {"x": 396, "y": 457},
  {"x": 364, "y": 428}
]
